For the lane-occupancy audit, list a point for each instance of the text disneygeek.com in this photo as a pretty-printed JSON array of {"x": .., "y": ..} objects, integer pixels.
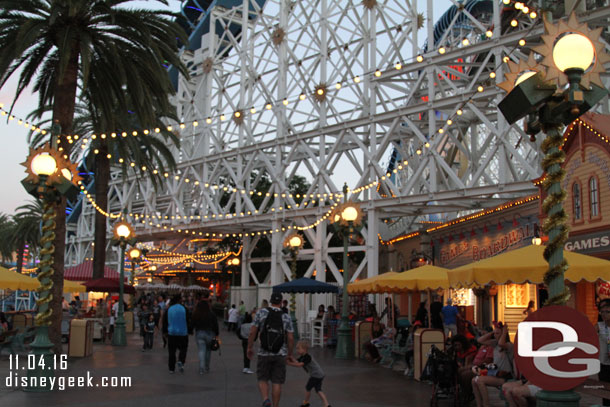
[{"x": 16, "y": 380}]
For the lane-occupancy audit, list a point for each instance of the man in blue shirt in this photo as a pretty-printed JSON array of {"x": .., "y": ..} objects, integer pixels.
[
  {"x": 176, "y": 326},
  {"x": 450, "y": 313}
]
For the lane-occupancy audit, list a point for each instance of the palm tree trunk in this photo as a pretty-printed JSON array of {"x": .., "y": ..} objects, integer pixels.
[
  {"x": 63, "y": 114},
  {"x": 20, "y": 252},
  {"x": 102, "y": 178}
]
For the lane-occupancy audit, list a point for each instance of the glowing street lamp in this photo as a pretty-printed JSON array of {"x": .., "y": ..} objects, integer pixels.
[
  {"x": 345, "y": 219},
  {"x": 49, "y": 178},
  {"x": 564, "y": 86},
  {"x": 232, "y": 263},
  {"x": 292, "y": 244},
  {"x": 123, "y": 234}
]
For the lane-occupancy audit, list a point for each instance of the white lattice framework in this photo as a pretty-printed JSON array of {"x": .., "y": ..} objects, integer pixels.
[{"x": 479, "y": 161}]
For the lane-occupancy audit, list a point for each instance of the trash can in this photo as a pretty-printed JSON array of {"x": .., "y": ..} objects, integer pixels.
[
  {"x": 128, "y": 315},
  {"x": 81, "y": 338},
  {"x": 364, "y": 332},
  {"x": 423, "y": 339}
]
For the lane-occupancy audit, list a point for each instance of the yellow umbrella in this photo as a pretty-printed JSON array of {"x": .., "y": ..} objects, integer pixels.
[
  {"x": 367, "y": 285},
  {"x": 423, "y": 278},
  {"x": 527, "y": 264},
  {"x": 73, "y": 287},
  {"x": 11, "y": 280}
]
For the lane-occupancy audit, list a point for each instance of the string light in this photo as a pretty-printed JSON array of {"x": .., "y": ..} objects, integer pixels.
[{"x": 463, "y": 219}]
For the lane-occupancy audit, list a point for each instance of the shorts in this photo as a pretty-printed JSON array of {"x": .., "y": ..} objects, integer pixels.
[
  {"x": 271, "y": 368},
  {"x": 314, "y": 383},
  {"x": 533, "y": 389}
]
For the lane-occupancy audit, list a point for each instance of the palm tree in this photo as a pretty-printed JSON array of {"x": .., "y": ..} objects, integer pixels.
[
  {"x": 52, "y": 42},
  {"x": 149, "y": 153},
  {"x": 6, "y": 232},
  {"x": 27, "y": 230}
]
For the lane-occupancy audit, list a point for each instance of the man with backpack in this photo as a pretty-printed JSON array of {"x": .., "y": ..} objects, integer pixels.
[{"x": 274, "y": 328}]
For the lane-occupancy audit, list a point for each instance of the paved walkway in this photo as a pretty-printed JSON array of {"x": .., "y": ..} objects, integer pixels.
[{"x": 354, "y": 383}]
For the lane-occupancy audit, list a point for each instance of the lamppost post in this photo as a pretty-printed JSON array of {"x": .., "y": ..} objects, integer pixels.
[
  {"x": 134, "y": 255},
  {"x": 50, "y": 177},
  {"x": 293, "y": 243},
  {"x": 345, "y": 219},
  {"x": 573, "y": 56},
  {"x": 123, "y": 234},
  {"x": 189, "y": 269},
  {"x": 234, "y": 262}
]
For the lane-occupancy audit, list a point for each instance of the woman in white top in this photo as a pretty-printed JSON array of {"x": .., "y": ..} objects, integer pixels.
[{"x": 503, "y": 359}]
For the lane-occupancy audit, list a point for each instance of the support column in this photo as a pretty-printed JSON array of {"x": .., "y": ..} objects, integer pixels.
[
  {"x": 245, "y": 262},
  {"x": 320, "y": 250},
  {"x": 372, "y": 243},
  {"x": 277, "y": 275}
]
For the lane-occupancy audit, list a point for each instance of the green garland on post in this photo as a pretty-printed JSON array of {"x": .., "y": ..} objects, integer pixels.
[
  {"x": 555, "y": 224},
  {"x": 43, "y": 317}
]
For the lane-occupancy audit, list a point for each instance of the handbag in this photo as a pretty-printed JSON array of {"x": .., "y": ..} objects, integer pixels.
[{"x": 215, "y": 344}]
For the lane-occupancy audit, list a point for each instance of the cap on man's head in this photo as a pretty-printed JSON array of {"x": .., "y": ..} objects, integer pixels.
[
  {"x": 449, "y": 301},
  {"x": 276, "y": 298}
]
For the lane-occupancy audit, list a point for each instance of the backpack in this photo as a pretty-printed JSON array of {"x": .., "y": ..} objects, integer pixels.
[{"x": 272, "y": 333}]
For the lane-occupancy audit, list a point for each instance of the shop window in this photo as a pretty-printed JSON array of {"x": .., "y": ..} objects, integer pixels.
[
  {"x": 576, "y": 202},
  {"x": 593, "y": 197},
  {"x": 516, "y": 295}
]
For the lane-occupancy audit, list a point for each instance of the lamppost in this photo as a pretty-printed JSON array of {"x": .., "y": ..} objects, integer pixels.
[
  {"x": 135, "y": 257},
  {"x": 123, "y": 234},
  {"x": 346, "y": 218},
  {"x": 573, "y": 56},
  {"x": 190, "y": 266},
  {"x": 50, "y": 177},
  {"x": 153, "y": 269},
  {"x": 293, "y": 243},
  {"x": 234, "y": 262}
]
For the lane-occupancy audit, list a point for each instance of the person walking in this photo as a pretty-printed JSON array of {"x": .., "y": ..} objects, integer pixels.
[
  {"x": 243, "y": 333},
  {"x": 450, "y": 314},
  {"x": 435, "y": 313},
  {"x": 176, "y": 326},
  {"x": 276, "y": 343},
  {"x": 242, "y": 310},
  {"x": 149, "y": 333},
  {"x": 206, "y": 329},
  {"x": 233, "y": 318},
  {"x": 316, "y": 374}
]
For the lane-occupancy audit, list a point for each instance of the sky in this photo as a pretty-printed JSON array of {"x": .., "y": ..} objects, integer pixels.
[{"x": 15, "y": 147}]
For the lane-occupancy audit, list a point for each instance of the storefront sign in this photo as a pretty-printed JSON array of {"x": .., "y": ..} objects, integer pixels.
[
  {"x": 484, "y": 244},
  {"x": 589, "y": 243}
]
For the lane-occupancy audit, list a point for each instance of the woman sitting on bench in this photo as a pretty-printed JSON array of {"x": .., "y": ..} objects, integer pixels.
[
  {"x": 503, "y": 361},
  {"x": 369, "y": 346}
]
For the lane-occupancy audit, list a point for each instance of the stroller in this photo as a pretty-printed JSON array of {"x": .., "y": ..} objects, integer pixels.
[{"x": 442, "y": 370}]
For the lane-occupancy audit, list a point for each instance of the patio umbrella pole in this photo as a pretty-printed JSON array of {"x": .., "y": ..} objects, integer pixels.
[{"x": 428, "y": 306}]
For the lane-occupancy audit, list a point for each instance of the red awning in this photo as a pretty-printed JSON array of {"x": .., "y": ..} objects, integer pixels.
[{"x": 84, "y": 271}]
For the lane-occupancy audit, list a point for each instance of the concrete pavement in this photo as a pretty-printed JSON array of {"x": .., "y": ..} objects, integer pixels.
[{"x": 354, "y": 383}]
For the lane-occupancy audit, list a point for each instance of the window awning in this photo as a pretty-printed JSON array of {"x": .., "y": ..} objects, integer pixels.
[{"x": 526, "y": 265}]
